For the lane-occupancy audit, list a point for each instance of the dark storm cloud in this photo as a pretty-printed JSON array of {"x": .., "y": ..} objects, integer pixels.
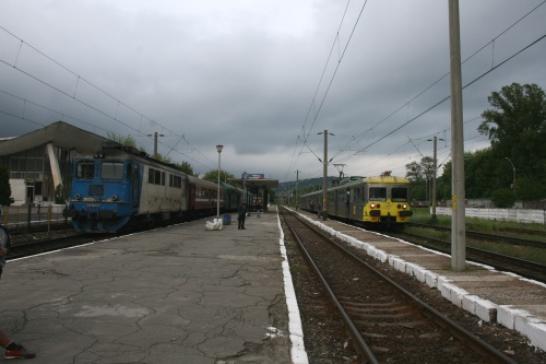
[{"x": 243, "y": 74}]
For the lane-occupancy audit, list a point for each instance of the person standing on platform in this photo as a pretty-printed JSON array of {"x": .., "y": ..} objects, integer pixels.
[
  {"x": 12, "y": 349},
  {"x": 241, "y": 216}
]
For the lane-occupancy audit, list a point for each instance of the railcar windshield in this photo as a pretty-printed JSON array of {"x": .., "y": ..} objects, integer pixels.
[
  {"x": 112, "y": 170},
  {"x": 85, "y": 170},
  {"x": 399, "y": 194},
  {"x": 378, "y": 193}
]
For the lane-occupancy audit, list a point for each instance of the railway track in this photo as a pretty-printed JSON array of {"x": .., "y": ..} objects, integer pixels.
[
  {"x": 387, "y": 323},
  {"x": 486, "y": 236},
  {"x": 33, "y": 247},
  {"x": 502, "y": 262}
]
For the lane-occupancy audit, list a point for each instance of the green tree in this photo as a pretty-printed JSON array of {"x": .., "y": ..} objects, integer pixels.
[
  {"x": 127, "y": 141},
  {"x": 516, "y": 126},
  {"x": 5, "y": 190},
  {"x": 414, "y": 172},
  {"x": 185, "y": 167},
  {"x": 213, "y": 176}
]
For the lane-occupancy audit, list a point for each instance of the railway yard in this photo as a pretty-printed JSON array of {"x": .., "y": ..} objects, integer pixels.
[{"x": 377, "y": 298}]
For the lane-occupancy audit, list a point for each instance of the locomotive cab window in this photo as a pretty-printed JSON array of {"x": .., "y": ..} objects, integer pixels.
[
  {"x": 378, "y": 193},
  {"x": 399, "y": 194},
  {"x": 85, "y": 170},
  {"x": 112, "y": 170}
]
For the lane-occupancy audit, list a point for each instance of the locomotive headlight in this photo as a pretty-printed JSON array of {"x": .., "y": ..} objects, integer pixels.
[
  {"x": 115, "y": 198},
  {"x": 372, "y": 206},
  {"x": 404, "y": 206}
]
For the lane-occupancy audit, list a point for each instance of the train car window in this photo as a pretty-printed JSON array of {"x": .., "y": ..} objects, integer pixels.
[
  {"x": 111, "y": 170},
  {"x": 399, "y": 194},
  {"x": 85, "y": 170},
  {"x": 378, "y": 193},
  {"x": 175, "y": 181}
]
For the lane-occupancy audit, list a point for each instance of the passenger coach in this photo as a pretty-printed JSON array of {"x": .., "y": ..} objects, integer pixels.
[{"x": 374, "y": 201}]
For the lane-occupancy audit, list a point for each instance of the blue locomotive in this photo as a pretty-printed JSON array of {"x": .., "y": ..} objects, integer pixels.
[{"x": 121, "y": 186}]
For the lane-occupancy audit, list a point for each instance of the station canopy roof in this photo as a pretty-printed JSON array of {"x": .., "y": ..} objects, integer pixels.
[
  {"x": 257, "y": 180},
  {"x": 60, "y": 134}
]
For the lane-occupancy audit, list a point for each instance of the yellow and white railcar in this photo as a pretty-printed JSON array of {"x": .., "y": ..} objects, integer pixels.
[{"x": 381, "y": 200}]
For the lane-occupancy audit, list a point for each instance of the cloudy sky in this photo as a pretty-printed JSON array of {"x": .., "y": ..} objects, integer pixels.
[{"x": 247, "y": 74}]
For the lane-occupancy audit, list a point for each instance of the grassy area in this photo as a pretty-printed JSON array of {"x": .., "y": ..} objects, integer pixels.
[
  {"x": 528, "y": 231},
  {"x": 523, "y": 252}
]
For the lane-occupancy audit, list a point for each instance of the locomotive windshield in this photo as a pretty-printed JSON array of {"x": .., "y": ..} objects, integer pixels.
[
  {"x": 378, "y": 193},
  {"x": 399, "y": 194},
  {"x": 112, "y": 170},
  {"x": 85, "y": 170}
]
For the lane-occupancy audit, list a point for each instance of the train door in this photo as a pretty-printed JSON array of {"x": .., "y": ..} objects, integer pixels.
[
  {"x": 347, "y": 201},
  {"x": 191, "y": 199},
  {"x": 134, "y": 178},
  {"x": 359, "y": 202}
]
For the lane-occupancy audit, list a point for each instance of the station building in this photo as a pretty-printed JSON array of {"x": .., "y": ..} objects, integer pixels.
[
  {"x": 39, "y": 161},
  {"x": 259, "y": 189}
]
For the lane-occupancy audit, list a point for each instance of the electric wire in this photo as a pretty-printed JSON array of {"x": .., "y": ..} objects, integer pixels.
[
  {"x": 80, "y": 78},
  {"x": 434, "y": 83}
]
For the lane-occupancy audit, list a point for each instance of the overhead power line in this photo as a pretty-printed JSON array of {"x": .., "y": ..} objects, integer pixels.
[
  {"x": 79, "y": 79},
  {"x": 476, "y": 79},
  {"x": 360, "y": 135}
]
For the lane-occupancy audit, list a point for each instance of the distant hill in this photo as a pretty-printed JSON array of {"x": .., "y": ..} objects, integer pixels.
[{"x": 304, "y": 185}]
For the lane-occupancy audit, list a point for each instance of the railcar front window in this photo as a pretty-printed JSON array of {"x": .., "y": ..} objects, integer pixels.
[
  {"x": 112, "y": 170},
  {"x": 399, "y": 194},
  {"x": 85, "y": 170},
  {"x": 378, "y": 193}
]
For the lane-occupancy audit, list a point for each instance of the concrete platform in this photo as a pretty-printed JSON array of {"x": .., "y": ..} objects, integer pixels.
[
  {"x": 515, "y": 302},
  {"x": 172, "y": 295}
]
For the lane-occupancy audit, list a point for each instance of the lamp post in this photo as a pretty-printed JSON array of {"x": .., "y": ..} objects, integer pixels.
[
  {"x": 513, "y": 173},
  {"x": 219, "y": 148}
]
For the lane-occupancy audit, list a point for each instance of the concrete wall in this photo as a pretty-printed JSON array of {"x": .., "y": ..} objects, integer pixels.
[
  {"x": 18, "y": 191},
  {"x": 518, "y": 215}
]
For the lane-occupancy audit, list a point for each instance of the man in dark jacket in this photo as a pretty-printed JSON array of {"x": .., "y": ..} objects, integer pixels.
[
  {"x": 241, "y": 216},
  {"x": 12, "y": 349}
]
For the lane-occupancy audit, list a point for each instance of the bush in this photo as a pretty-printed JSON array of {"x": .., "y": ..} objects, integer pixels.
[{"x": 503, "y": 197}]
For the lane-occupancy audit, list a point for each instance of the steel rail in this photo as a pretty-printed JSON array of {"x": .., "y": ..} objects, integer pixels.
[
  {"x": 537, "y": 270},
  {"x": 362, "y": 347},
  {"x": 486, "y": 236},
  {"x": 457, "y": 330}
]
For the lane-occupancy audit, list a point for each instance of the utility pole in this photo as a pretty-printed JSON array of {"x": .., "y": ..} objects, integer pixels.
[
  {"x": 156, "y": 135},
  {"x": 339, "y": 167},
  {"x": 434, "y": 174},
  {"x": 325, "y": 175},
  {"x": 297, "y": 182},
  {"x": 458, "y": 242}
]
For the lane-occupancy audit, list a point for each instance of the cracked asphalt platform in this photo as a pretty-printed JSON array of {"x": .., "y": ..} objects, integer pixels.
[{"x": 178, "y": 294}]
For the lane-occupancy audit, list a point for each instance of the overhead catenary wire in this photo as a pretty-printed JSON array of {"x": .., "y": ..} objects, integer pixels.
[
  {"x": 79, "y": 79},
  {"x": 473, "y": 81},
  {"x": 356, "y": 138},
  {"x": 317, "y": 88}
]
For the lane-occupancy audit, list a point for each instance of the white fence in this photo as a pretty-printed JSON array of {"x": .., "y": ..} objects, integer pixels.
[{"x": 518, "y": 215}]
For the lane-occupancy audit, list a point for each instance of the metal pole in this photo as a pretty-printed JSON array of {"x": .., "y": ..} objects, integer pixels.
[
  {"x": 218, "y": 189},
  {"x": 297, "y": 182},
  {"x": 324, "y": 178},
  {"x": 458, "y": 243},
  {"x": 155, "y": 144},
  {"x": 434, "y": 173}
]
